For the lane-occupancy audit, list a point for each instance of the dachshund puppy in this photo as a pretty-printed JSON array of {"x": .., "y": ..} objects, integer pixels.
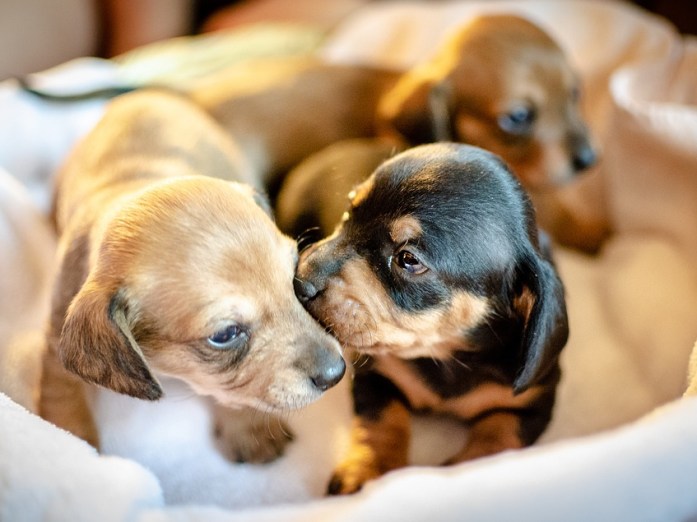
[
  {"x": 170, "y": 266},
  {"x": 500, "y": 82},
  {"x": 437, "y": 274},
  {"x": 312, "y": 197}
]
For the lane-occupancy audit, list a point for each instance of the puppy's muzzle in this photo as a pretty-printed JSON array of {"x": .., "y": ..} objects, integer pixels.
[
  {"x": 326, "y": 367},
  {"x": 583, "y": 155},
  {"x": 318, "y": 264},
  {"x": 305, "y": 290}
]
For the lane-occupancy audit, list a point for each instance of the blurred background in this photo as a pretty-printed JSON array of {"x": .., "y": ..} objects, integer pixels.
[{"x": 38, "y": 34}]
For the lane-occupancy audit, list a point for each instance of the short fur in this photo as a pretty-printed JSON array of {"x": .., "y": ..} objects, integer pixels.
[
  {"x": 437, "y": 275},
  {"x": 499, "y": 82},
  {"x": 164, "y": 252},
  {"x": 312, "y": 198}
]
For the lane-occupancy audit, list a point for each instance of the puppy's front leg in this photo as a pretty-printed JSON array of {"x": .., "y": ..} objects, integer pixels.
[
  {"x": 63, "y": 401},
  {"x": 379, "y": 437},
  {"x": 496, "y": 432},
  {"x": 249, "y": 435}
]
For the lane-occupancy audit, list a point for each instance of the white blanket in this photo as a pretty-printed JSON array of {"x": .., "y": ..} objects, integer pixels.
[{"x": 631, "y": 310}]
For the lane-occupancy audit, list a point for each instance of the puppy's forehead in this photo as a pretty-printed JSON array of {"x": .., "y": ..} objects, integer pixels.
[
  {"x": 459, "y": 201},
  {"x": 443, "y": 173},
  {"x": 210, "y": 236}
]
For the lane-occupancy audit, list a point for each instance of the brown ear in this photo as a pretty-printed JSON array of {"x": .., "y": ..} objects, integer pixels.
[
  {"x": 418, "y": 109},
  {"x": 542, "y": 304},
  {"x": 96, "y": 344}
]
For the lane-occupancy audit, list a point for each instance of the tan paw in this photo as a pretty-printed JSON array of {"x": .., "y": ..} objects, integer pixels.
[
  {"x": 249, "y": 436},
  {"x": 350, "y": 476}
]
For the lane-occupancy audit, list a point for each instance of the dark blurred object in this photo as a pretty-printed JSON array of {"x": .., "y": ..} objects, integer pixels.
[
  {"x": 127, "y": 24},
  {"x": 682, "y": 13}
]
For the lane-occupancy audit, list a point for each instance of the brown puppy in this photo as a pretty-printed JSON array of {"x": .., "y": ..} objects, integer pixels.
[
  {"x": 165, "y": 271},
  {"x": 500, "y": 82},
  {"x": 436, "y": 273},
  {"x": 312, "y": 197}
]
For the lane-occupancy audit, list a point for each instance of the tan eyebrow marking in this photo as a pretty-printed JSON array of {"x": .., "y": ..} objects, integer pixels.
[
  {"x": 358, "y": 194},
  {"x": 405, "y": 228}
]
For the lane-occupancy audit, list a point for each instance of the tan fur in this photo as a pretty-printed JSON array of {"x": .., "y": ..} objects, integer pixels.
[
  {"x": 359, "y": 193},
  {"x": 486, "y": 68},
  {"x": 156, "y": 258},
  {"x": 404, "y": 228},
  {"x": 485, "y": 397},
  {"x": 489, "y": 66},
  {"x": 310, "y": 106},
  {"x": 376, "y": 447},
  {"x": 692, "y": 373},
  {"x": 357, "y": 309},
  {"x": 249, "y": 436},
  {"x": 492, "y": 434}
]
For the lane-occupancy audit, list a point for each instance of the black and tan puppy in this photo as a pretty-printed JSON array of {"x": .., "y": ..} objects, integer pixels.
[
  {"x": 171, "y": 267},
  {"x": 438, "y": 275}
]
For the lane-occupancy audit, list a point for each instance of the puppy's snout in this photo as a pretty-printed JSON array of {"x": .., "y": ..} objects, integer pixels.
[
  {"x": 304, "y": 289},
  {"x": 584, "y": 157},
  {"x": 329, "y": 375},
  {"x": 324, "y": 366}
]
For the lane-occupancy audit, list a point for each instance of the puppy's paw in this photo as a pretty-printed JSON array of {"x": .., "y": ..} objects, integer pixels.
[
  {"x": 248, "y": 436},
  {"x": 350, "y": 476}
]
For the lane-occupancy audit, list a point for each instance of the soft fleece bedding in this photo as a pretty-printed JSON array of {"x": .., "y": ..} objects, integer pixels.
[{"x": 622, "y": 442}]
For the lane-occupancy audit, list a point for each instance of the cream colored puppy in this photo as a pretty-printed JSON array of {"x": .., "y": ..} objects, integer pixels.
[{"x": 169, "y": 266}]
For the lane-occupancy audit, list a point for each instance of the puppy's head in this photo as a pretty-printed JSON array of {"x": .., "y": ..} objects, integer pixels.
[
  {"x": 503, "y": 84},
  {"x": 439, "y": 252},
  {"x": 191, "y": 279}
]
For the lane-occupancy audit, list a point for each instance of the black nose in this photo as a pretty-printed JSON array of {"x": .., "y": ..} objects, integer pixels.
[
  {"x": 329, "y": 375},
  {"x": 584, "y": 157},
  {"x": 305, "y": 290}
]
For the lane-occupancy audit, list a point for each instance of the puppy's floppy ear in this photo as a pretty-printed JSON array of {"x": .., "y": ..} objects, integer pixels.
[
  {"x": 96, "y": 343},
  {"x": 418, "y": 109},
  {"x": 542, "y": 304}
]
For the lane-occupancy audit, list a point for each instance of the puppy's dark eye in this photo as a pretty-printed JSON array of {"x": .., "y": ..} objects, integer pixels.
[
  {"x": 409, "y": 262},
  {"x": 518, "y": 120},
  {"x": 229, "y": 337}
]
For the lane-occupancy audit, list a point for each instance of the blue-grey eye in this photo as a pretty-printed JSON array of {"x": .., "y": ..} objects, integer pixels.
[
  {"x": 229, "y": 337},
  {"x": 518, "y": 120}
]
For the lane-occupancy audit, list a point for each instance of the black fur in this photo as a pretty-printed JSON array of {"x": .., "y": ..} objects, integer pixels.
[{"x": 479, "y": 236}]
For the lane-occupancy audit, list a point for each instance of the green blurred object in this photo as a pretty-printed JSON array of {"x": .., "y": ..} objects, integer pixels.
[{"x": 182, "y": 62}]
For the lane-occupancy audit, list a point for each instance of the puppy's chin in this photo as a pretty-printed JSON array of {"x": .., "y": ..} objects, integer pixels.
[
  {"x": 276, "y": 403},
  {"x": 403, "y": 352}
]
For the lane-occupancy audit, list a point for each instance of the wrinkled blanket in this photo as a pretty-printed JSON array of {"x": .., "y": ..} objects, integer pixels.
[{"x": 621, "y": 445}]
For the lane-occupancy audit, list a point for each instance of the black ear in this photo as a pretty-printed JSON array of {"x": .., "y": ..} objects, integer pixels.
[
  {"x": 542, "y": 304},
  {"x": 96, "y": 343},
  {"x": 418, "y": 110}
]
